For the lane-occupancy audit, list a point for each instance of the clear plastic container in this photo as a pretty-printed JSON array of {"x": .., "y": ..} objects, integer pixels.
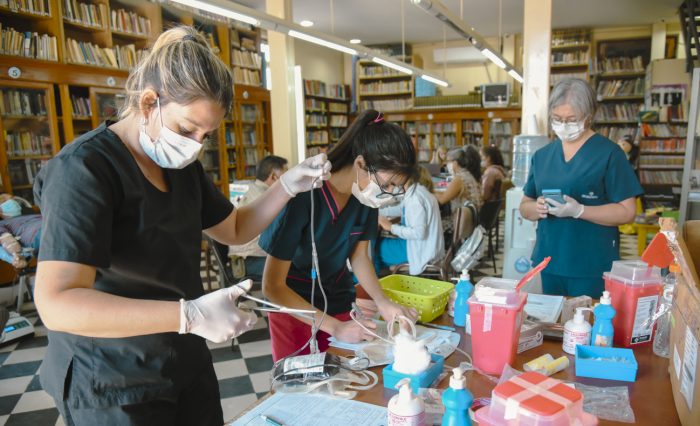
[
  {"x": 499, "y": 291},
  {"x": 524, "y": 147},
  {"x": 635, "y": 289}
]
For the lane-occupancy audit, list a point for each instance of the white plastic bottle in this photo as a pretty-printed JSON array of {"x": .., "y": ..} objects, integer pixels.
[
  {"x": 577, "y": 331},
  {"x": 405, "y": 409}
]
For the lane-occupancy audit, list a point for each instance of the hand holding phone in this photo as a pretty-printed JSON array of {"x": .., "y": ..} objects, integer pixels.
[{"x": 553, "y": 194}]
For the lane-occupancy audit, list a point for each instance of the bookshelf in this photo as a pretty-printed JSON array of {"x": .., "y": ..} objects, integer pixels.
[
  {"x": 326, "y": 114},
  {"x": 385, "y": 89},
  {"x": 571, "y": 54},
  {"x": 662, "y": 147},
  {"x": 248, "y": 134},
  {"x": 459, "y": 127},
  {"x": 29, "y": 126},
  {"x": 690, "y": 188}
]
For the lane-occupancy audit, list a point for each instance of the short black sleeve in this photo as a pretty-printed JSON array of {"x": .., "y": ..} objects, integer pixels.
[
  {"x": 76, "y": 196},
  {"x": 215, "y": 207},
  {"x": 282, "y": 238}
]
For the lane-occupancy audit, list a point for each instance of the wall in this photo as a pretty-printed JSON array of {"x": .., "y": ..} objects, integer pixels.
[{"x": 319, "y": 63}]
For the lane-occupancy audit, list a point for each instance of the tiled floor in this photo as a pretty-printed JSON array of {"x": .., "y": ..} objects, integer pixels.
[{"x": 242, "y": 369}]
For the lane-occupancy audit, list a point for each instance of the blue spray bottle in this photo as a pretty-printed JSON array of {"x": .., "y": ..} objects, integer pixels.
[
  {"x": 464, "y": 290},
  {"x": 457, "y": 400},
  {"x": 602, "y": 332}
]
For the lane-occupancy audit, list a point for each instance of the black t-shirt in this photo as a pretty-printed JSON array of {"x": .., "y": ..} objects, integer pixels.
[{"x": 99, "y": 209}]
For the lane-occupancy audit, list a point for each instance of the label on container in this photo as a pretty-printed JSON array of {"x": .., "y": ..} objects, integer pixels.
[
  {"x": 488, "y": 317},
  {"x": 468, "y": 324},
  {"x": 642, "y": 328},
  {"x": 305, "y": 364},
  {"x": 676, "y": 362},
  {"x": 406, "y": 420},
  {"x": 690, "y": 355},
  {"x": 573, "y": 338},
  {"x": 603, "y": 340}
]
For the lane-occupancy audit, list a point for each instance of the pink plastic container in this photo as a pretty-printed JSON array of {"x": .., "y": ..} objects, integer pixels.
[
  {"x": 532, "y": 399},
  {"x": 635, "y": 289},
  {"x": 496, "y": 312}
]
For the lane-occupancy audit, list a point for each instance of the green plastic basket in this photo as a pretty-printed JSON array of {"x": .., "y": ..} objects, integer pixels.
[{"x": 428, "y": 297}]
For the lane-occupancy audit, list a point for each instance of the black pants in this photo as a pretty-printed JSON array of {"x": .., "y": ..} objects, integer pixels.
[{"x": 198, "y": 404}]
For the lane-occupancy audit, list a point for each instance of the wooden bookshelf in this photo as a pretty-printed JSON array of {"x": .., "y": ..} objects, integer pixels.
[
  {"x": 382, "y": 88},
  {"x": 326, "y": 114},
  {"x": 571, "y": 54}
]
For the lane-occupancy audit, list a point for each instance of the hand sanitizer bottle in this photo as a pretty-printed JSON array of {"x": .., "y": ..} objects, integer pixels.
[
  {"x": 405, "y": 409},
  {"x": 457, "y": 400},
  {"x": 577, "y": 331},
  {"x": 602, "y": 333},
  {"x": 464, "y": 290}
]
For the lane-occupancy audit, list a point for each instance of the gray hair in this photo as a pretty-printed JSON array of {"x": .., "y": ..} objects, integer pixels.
[{"x": 575, "y": 92}]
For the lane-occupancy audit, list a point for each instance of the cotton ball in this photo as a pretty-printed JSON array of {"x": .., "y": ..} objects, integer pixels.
[{"x": 410, "y": 355}]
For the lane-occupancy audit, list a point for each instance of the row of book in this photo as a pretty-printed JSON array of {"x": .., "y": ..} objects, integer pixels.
[
  {"x": 568, "y": 37},
  {"x": 315, "y": 104},
  {"x": 444, "y": 127},
  {"x": 473, "y": 139},
  {"x": 338, "y": 107},
  {"x": 210, "y": 160},
  {"x": 556, "y": 78},
  {"x": 500, "y": 141},
  {"x": 130, "y": 22},
  {"x": 663, "y": 130},
  {"x": 24, "y": 142},
  {"x": 339, "y": 121},
  {"x": 230, "y": 137},
  {"x": 251, "y": 157},
  {"x": 246, "y": 77},
  {"x": 665, "y": 177},
  {"x": 28, "y": 44},
  {"x": 617, "y": 132},
  {"x": 448, "y": 141},
  {"x": 94, "y": 15},
  {"x": 249, "y": 138},
  {"x": 244, "y": 58},
  {"x": 613, "y": 88},
  {"x": 315, "y": 150},
  {"x": 317, "y": 137},
  {"x": 81, "y": 106},
  {"x": 662, "y": 145},
  {"x": 661, "y": 160},
  {"x": 336, "y": 133},
  {"x": 316, "y": 120},
  {"x": 387, "y": 104},
  {"x": 621, "y": 64},
  {"x": 673, "y": 113},
  {"x": 383, "y": 87},
  {"x": 472, "y": 126},
  {"x": 39, "y": 7},
  {"x": 319, "y": 88},
  {"x": 502, "y": 128},
  {"x": 23, "y": 172},
  {"x": 568, "y": 58},
  {"x": 249, "y": 113},
  {"x": 22, "y": 102},
  {"x": 379, "y": 71},
  {"x": 618, "y": 112},
  {"x": 242, "y": 42}
]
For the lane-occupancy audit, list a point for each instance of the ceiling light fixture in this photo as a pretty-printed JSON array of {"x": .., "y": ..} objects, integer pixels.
[
  {"x": 515, "y": 75},
  {"x": 434, "y": 80},
  {"x": 238, "y": 12},
  {"x": 441, "y": 12},
  {"x": 306, "y": 23},
  {"x": 355, "y": 41}
]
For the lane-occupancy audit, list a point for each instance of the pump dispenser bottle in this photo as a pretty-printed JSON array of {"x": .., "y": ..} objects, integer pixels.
[
  {"x": 577, "y": 331},
  {"x": 457, "y": 400},
  {"x": 463, "y": 290},
  {"x": 602, "y": 333},
  {"x": 405, "y": 409}
]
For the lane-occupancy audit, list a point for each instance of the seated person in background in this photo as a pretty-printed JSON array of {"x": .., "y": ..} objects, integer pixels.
[
  {"x": 420, "y": 240},
  {"x": 440, "y": 158},
  {"x": 268, "y": 171},
  {"x": 494, "y": 173},
  {"x": 464, "y": 165},
  {"x": 17, "y": 232}
]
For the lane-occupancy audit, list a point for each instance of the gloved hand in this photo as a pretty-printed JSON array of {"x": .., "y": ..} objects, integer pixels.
[
  {"x": 389, "y": 309},
  {"x": 300, "y": 178},
  {"x": 215, "y": 316},
  {"x": 571, "y": 208}
]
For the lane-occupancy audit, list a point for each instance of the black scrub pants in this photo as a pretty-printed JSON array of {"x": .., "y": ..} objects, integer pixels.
[{"x": 199, "y": 404}]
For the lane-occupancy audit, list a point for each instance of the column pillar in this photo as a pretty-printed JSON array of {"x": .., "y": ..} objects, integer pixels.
[{"x": 537, "y": 37}]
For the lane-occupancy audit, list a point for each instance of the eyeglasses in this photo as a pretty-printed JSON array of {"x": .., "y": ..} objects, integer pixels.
[
  {"x": 383, "y": 187},
  {"x": 570, "y": 121}
]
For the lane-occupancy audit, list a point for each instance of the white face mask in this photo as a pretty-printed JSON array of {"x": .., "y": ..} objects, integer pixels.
[
  {"x": 370, "y": 195},
  {"x": 170, "y": 150},
  {"x": 568, "y": 132}
]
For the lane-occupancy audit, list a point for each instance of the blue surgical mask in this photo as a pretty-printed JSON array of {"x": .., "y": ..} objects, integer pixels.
[{"x": 10, "y": 208}]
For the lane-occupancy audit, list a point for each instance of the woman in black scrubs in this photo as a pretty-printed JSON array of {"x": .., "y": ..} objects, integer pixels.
[{"x": 118, "y": 282}]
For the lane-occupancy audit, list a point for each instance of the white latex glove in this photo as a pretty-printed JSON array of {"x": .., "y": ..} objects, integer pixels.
[
  {"x": 312, "y": 171},
  {"x": 215, "y": 316},
  {"x": 571, "y": 208},
  {"x": 389, "y": 309}
]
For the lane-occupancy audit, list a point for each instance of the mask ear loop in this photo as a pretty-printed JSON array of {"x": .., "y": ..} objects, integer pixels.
[{"x": 160, "y": 112}]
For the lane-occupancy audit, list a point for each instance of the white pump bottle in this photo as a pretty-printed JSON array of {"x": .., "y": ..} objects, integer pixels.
[{"x": 405, "y": 409}]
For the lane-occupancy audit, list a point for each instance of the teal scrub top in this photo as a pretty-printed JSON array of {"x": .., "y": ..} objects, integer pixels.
[{"x": 598, "y": 174}]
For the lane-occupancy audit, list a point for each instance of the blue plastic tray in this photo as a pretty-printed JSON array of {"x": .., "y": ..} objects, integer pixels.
[
  {"x": 625, "y": 368},
  {"x": 422, "y": 380}
]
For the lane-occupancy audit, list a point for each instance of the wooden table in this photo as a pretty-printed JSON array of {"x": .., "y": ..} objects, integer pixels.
[{"x": 650, "y": 395}]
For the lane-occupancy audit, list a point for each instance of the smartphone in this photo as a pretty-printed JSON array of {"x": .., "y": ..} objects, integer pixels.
[{"x": 554, "y": 194}]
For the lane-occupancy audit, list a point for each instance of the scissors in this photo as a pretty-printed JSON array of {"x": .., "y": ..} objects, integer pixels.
[{"x": 273, "y": 307}]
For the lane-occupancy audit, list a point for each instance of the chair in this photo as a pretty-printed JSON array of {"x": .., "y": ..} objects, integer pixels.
[
  {"x": 464, "y": 221},
  {"x": 488, "y": 219},
  {"x": 220, "y": 252}
]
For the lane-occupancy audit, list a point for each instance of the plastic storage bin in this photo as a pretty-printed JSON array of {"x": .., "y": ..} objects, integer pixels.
[
  {"x": 635, "y": 289},
  {"x": 496, "y": 318},
  {"x": 533, "y": 399},
  {"x": 422, "y": 380},
  {"x": 601, "y": 362},
  {"x": 428, "y": 297}
]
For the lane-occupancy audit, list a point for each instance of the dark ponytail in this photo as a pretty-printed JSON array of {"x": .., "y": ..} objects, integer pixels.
[{"x": 384, "y": 146}]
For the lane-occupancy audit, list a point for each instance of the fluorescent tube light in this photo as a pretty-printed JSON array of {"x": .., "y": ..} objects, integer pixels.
[
  {"x": 434, "y": 80},
  {"x": 515, "y": 75},
  {"x": 219, "y": 11},
  {"x": 494, "y": 58},
  {"x": 355, "y": 41},
  {"x": 321, "y": 42},
  {"x": 306, "y": 23},
  {"x": 392, "y": 65}
]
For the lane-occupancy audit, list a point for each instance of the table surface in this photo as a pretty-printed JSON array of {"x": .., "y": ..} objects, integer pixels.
[{"x": 650, "y": 395}]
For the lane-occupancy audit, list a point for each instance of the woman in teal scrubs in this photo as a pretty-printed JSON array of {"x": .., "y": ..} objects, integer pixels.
[{"x": 598, "y": 188}]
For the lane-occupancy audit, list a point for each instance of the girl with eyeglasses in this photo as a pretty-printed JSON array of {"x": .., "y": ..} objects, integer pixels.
[{"x": 371, "y": 166}]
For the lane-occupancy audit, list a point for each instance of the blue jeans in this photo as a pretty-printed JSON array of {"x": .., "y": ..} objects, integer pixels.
[{"x": 389, "y": 252}]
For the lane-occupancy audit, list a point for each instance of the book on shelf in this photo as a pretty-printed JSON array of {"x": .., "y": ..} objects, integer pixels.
[
  {"x": 384, "y": 87},
  {"x": 671, "y": 145},
  {"x": 570, "y": 37},
  {"x": 617, "y": 132},
  {"x": 94, "y": 15},
  {"x": 38, "y": 7},
  {"x": 618, "y": 112},
  {"x": 663, "y": 130},
  {"x": 246, "y": 77},
  {"x": 24, "y": 142},
  {"x": 244, "y": 58},
  {"x": 621, "y": 64},
  {"x": 249, "y": 113},
  {"x": 661, "y": 160},
  {"x": 248, "y": 43},
  {"x": 23, "y": 172},
  {"x": 570, "y": 58},
  {"x": 316, "y": 137},
  {"x": 81, "y": 106},
  {"x": 660, "y": 177},
  {"x": 315, "y": 150},
  {"x": 316, "y": 120},
  {"x": 613, "y": 88},
  {"x": 338, "y": 91},
  {"x": 380, "y": 71},
  {"x": 251, "y": 157},
  {"x": 28, "y": 44},
  {"x": 387, "y": 104},
  {"x": 473, "y": 126},
  {"x": 130, "y": 22},
  {"x": 124, "y": 57},
  {"x": 28, "y": 103},
  {"x": 336, "y": 107},
  {"x": 339, "y": 121},
  {"x": 315, "y": 88}
]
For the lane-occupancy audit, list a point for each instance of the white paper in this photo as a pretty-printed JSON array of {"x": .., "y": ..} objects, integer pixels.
[
  {"x": 313, "y": 410},
  {"x": 646, "y": 307},
  {"x": 690, "y": 355},
  {"x": 544, "y": 307}
]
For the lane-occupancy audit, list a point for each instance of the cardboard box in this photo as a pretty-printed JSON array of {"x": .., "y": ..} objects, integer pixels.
[
  {"x": 531, "y": 336},
  {"x": 684, "y": 364}
]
